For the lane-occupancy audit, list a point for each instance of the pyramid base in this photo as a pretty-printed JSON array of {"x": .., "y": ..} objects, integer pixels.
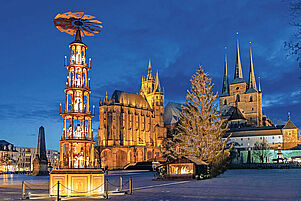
[{"x": 76, "y": 182}]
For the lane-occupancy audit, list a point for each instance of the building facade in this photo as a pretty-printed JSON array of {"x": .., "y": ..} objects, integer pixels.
[
  {"x": 131, "y": 126},
  {"x": 8, "y": 157},
  {"x": 284, "y": 135}
]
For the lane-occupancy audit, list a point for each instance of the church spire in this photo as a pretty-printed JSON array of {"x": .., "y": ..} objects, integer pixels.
[
  {"x": 157, "y": 82},
  {"x": 149, "y": 73},
  {"x": 252, "y": 82},
  {"x": 238, "y": 70},
  {"x": 225, "y": 90}
]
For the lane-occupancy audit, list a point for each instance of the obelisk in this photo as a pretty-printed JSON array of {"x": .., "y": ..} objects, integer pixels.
[{"x": 40, "y": 163}]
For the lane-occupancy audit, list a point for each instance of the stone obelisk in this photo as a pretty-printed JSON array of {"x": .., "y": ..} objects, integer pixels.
[{"x": 40, "y": 163}]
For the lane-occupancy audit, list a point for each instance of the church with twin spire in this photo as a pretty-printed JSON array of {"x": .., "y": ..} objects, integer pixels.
[{"x": 241, "y": 106}]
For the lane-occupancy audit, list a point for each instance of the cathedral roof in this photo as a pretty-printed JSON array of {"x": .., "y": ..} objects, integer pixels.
[
  {"x": 129, "y": 98},
  {"x": 253, "y": 131},
  {"x": 236, "y": 114},
  {"x": 172, "y": 112},
  {"x": 4, "y": 142}
]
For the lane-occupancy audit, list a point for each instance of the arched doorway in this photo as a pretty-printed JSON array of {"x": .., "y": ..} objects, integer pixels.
[
  {"x": 121, "y": 159},
  {"x": 106, "y": 156},
  {"x": 149, "y": 155},
  {"x": 140, "y": 156}
]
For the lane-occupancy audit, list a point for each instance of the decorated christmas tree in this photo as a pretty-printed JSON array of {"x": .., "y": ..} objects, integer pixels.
[{"x": 200, "y": 130}]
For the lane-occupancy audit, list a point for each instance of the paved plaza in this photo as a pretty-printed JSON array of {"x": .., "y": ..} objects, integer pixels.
[{"x": 253, "y": 184}]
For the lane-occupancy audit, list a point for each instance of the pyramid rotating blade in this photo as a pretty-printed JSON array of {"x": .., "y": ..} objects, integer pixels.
[{"x": 87, "y": 17}]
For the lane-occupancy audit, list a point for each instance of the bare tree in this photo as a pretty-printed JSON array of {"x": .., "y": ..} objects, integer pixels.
[
  {"x": 261, "y": 151},
  {"x": 293, "y": 45}
]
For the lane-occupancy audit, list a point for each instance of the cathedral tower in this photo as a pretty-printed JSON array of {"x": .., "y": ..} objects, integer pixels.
[{"x": 152, "y": 92}]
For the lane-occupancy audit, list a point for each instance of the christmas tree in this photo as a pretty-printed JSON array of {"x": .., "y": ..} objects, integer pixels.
[{"x": 200, "y": 130}]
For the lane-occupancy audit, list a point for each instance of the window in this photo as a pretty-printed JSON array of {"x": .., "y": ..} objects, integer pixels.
[
  {"x": 225, "y": 102},
  {"x": 251, "y": 99},
  {"x": 241, "y": 139},
  {"x": 237, "y": 88},
  {"x": 237, "y": 98}
]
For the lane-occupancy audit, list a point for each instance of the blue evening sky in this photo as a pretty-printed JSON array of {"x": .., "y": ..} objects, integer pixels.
[{"x": 176, "y": 35}]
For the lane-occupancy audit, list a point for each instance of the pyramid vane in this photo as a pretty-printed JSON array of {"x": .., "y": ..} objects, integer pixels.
[
  {"x": 225, "y": 89},
  {"x": 238, "y": 70},
  {"x": 252, "y": 82}
]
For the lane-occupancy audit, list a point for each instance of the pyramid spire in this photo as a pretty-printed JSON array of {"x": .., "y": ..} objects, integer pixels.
[
  {"x": 78, "y": 37},
  {"x": 149, "y": 73},
  {"x": 225, "y": 90},
  {"x": 238, "y": 70},
  {"x": 252, "y": 82}
]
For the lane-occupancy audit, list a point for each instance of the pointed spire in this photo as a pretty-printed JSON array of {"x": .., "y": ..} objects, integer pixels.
[
  {"x": 252, "y": 82},
  {"x": 225, "y": 90},
  {"x": 158, "y": 82},
  {"x": 238, "y": 70},
  {"x": 106, "y": 98},
  {"x": 149, "y": 73},
  {"x": 259, "y": 88},
  {"x": 78, "y": 37},
  {"x": 289, "y": 116}
]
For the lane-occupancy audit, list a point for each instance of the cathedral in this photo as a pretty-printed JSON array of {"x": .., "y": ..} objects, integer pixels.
[
  {"x": 241, "y": 105},
  {"x": 131, "y": 126}
]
